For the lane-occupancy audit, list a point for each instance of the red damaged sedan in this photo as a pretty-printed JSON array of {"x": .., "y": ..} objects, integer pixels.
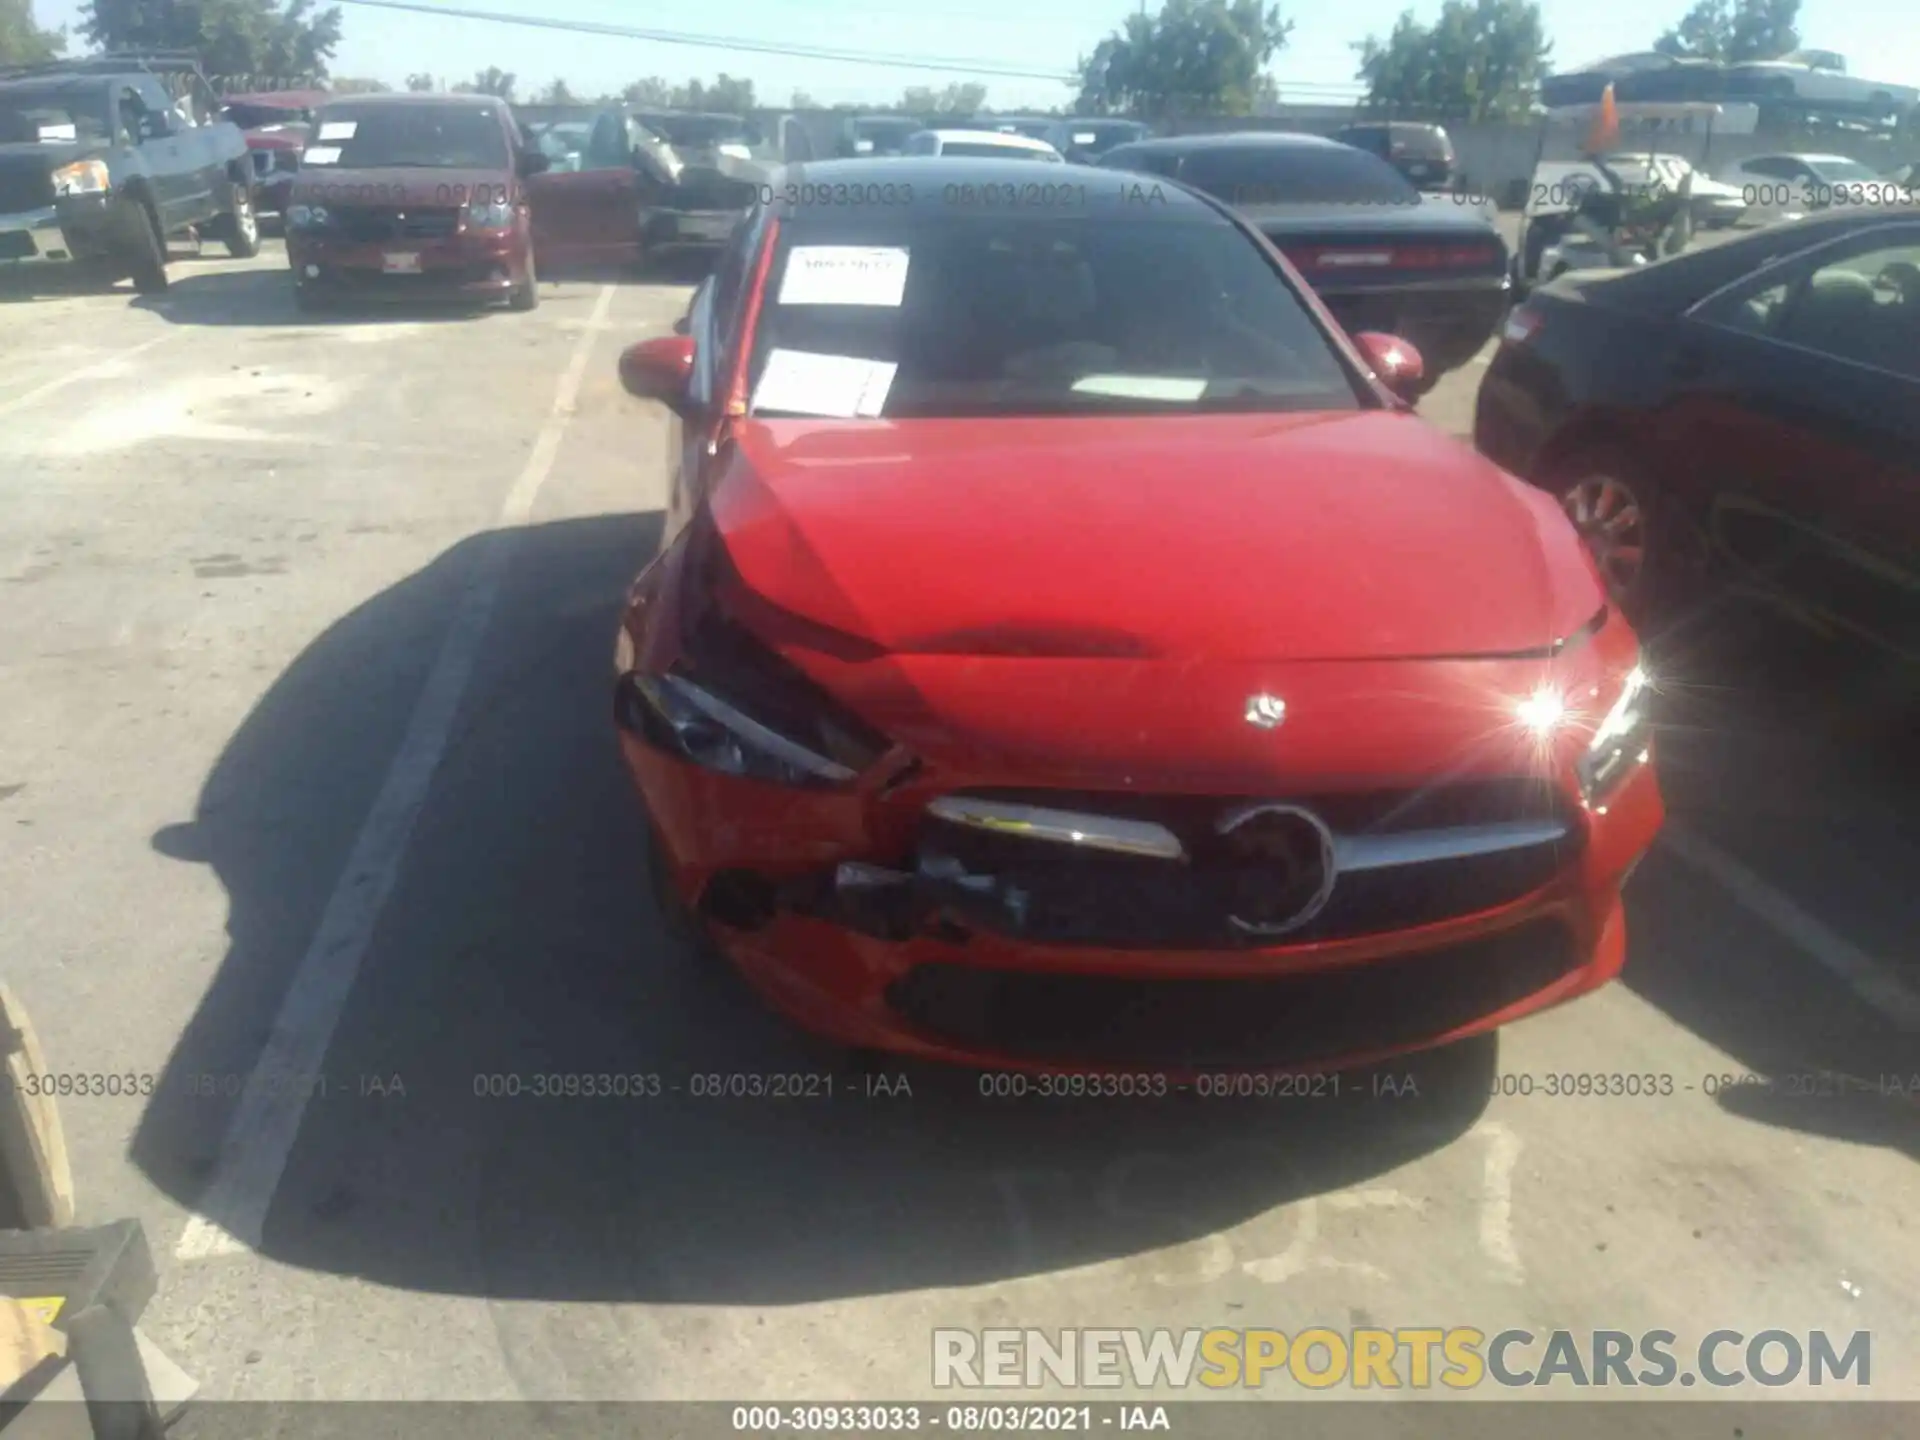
[{"x": 1068, "y": 653}]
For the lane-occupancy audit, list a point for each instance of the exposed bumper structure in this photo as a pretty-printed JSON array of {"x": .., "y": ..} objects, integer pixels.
[{"x": 966, "y": 928}]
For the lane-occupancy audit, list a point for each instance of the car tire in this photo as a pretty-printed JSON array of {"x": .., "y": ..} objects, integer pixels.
[
  {"x": 240, "y": 226},
  {"x": 1637, "y": 536},
  {"x": 146, "y": 257},
  {"x": 526, "y": 295}
]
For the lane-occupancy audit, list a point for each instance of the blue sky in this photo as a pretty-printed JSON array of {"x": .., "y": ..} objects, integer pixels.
[{"x": 1016, "y": 34}]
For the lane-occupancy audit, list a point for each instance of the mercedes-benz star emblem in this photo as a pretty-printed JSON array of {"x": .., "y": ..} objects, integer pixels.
[
  {"x": 1284, "y": 867},
  {"x": 1269, "y": 712}
]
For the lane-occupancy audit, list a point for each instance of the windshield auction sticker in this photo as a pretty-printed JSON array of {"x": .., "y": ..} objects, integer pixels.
[
  {"x": 844, "y": 275},
  {"x": 837, "y": 387},
  {"x": 338, "y": 129},
  {"x": 320, "y": 155}
]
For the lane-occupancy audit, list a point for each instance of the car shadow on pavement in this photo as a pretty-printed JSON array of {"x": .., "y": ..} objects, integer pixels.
[
  {"x": 258, "y": 297},
  {"x": 1789, "y": 756},
  {"x": 520, "y": 942}
]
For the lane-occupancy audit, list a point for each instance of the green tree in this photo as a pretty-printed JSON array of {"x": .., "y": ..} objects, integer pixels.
[
  {"x": 490, "y": 81},
  {"x": 350, "y": 86},
  {"x": 556, "y": 94},
  {"x": 1480, "y": 60},
  {"x": 21, "y": 41},
  {"x": 1196, "y": 57},
  {"x": 801, "y": 100},
  {"x": 652, "y": 93},
  {"x": 961, "y": 99},
  {"x": 1733, "y": 31},
  {"x": 726, "y": 95},
  {"x": 422, "y": 84},
  {"x": 233, "y": 37}
]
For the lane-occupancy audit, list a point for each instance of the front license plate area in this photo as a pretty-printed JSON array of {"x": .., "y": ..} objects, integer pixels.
[{"x": 401, "y": 262}]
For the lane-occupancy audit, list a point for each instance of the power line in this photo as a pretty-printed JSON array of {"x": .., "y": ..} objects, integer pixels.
[{"x": 719, "y": 42}]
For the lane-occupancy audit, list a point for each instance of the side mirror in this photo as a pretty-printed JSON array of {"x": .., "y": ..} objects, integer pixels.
[
  {"x": 1397, "y": 363},
  {"x": 533, "y": 162},
  {"x": 153, "y": 125},
  {"x": 659, "y": 370}
]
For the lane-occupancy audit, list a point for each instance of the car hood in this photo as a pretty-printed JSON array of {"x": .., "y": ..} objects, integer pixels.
[
  {"x": 1275, "y": 537},
  {"x": 402, "y": 185}
]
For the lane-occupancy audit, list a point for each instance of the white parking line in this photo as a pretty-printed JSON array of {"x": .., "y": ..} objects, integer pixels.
[
  {"x": 1875, "y": 983},
  {"x": 260, "y": 1137},
  {"x": 87, "y": 372}
]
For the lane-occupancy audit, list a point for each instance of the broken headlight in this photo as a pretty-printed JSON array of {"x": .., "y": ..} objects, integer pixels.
[
  {"x": 733, "y": 704},
  {"x": 1620, "y": 742}
]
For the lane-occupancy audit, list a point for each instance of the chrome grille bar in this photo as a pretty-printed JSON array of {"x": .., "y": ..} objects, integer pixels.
[
  {"x": 1064, "y": 827},
  {"x": 1461, "y": 842}
]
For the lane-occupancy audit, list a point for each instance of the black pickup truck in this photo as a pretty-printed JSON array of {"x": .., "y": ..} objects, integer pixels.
[{"x": 103, "y": 158}]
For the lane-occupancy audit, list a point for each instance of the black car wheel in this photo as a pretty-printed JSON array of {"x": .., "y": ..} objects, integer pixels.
[
  {"x": 145, "y": 259},
  {"x": 240, "y": 226}
]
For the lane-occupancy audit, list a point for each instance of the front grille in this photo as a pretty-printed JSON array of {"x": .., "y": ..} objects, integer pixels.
[
  {"x": 374, "y": 225},
  {"x": 25, "y": 189},
  {"x": 1235, "y": 1023},
  {"x": 1070, "y": 895}
]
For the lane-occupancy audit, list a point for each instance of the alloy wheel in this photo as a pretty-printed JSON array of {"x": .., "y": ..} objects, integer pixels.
[{"x": 1611, "y": 522}]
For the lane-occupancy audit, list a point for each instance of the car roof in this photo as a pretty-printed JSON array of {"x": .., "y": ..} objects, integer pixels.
[
  {"x": 923, "y": 181},
  {"x": 992, "y": 137},
  {"x": 59, "y": 81},
  {"x": 383, "y": 101},
  {"x": 1237, "y": 140}
]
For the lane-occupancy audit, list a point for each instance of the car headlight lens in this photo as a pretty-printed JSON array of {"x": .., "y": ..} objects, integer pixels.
[
  {"x": 83, "y": 177},
  {"x": 308, "y": 217},
  {"x": 497, "y": 215},
  {"x": 714, "y": 733},
  {"x": 1619, "y": 742},
  {"x": 735, "y": 705}
]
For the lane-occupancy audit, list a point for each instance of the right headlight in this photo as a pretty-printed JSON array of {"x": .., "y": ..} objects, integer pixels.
[
  {"x": 732, "y": 703},
  {"x": 1619, "y": 742}
]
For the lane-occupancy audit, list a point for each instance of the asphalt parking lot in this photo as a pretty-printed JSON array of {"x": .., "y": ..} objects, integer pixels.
[{"x": 306, "y": 751}]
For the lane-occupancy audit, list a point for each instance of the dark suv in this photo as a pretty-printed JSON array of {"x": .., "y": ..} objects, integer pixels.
[{"x": 1422, "y": 153}]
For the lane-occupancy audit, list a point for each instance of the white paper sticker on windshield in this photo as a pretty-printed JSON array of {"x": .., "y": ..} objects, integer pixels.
[
  {"x": 1142, "y": 387},
  {"x": 844, "y": 275},
  {"x": 835, "y": 386},
  {"x": 53, "y": 134},
  {"x": 338, "y": 129},
  {"x": 1085, "y": 137},
  {"x": 320, "y": 155}
]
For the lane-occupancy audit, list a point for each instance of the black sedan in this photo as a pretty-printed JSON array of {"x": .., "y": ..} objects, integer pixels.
[
  {"x": 1430, "y": 268},
  {"x": 1747, "y": 414}
]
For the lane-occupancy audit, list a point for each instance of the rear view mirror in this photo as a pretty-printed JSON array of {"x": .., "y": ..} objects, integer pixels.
[
  {"x": 659, "y": 370},
  {"x": 1396, "y": 363}
]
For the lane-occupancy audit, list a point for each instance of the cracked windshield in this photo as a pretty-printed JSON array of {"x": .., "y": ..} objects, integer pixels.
[{"x": 874, "y": 719}]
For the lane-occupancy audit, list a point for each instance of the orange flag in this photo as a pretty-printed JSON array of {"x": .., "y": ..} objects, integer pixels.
[{"x": 1605, "y": 134}]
